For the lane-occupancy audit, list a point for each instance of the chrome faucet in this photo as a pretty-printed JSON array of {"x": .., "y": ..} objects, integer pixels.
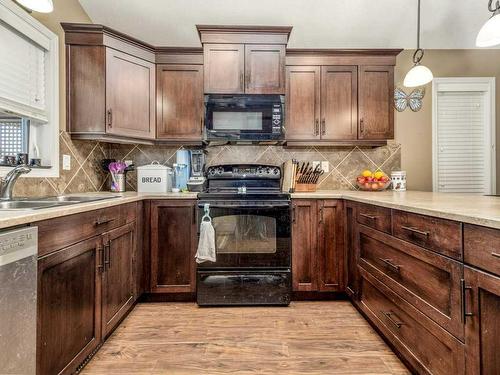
[{"x": 7, "y": 183}]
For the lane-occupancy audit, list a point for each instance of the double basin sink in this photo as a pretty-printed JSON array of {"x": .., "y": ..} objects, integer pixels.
[{"x": 50, "y": 202}]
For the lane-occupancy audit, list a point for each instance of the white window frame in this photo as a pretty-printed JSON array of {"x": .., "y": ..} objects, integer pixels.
[
  {"x": 25, "y": 24},
  {"x": 473, "y": 84}
]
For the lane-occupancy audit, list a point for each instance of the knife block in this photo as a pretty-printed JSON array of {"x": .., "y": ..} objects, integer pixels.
[{"x": 305, "y": 188}]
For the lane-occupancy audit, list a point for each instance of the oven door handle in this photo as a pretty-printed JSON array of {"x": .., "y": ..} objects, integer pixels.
[{"x": 274, "y": 205}]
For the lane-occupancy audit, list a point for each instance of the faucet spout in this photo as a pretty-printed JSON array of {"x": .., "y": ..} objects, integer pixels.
[{"x": 7, "y": 183}]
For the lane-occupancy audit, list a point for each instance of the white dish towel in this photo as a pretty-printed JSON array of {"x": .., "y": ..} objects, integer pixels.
[{"x": 206, "y": 244}]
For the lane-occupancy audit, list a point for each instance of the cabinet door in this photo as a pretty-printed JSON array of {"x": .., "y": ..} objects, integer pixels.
[
  {"x": 224, "y": 68},
  {"x": 376, "y": 112},
  {"x": 304, "y": 243},
  {"x": 130, "y": 95},
  {"x": 180, "y": 102},
  {"x": 339, "y": 102},
  {"x": 351, "y": 251},
  {"x": 482, "y": 326},
  {"x": 264, "y": 69},
  {"x": 118, "y": 282},
  {"x": 173, "y": 246},
  {"x": 69, "y": 307},
  {"x": 330, "y": 246},
  {"x": 302, "y": 102}
]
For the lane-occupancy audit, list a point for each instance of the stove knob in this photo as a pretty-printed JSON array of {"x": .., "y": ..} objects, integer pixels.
[
  {"x": 268, "y": 170},
  {"x": 276, "y": 170},
  {"x": 220, "y": 170},
  {"x": 212, "y": 171},
  {"x": 260, "y": 170}
]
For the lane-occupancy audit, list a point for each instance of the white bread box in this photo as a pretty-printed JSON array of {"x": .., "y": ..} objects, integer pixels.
[{"x": 154, "y": 178}]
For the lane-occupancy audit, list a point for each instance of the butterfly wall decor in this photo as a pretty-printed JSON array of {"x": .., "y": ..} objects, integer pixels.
[{"x": 402, "y": 100}]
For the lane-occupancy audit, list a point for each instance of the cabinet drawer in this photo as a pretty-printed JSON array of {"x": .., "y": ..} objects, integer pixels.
[
  {"x": 426, "y": 346},
  {"x": 440, "y": 235},
  {"x": 429, "y": 281},
  {"x": 55, "y": 234},
  {"x": 375, "y": 217},
  {"x": 481, "y": 247}
]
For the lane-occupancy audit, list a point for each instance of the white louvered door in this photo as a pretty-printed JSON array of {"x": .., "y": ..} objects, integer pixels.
[{"x": 463, "y": 143}]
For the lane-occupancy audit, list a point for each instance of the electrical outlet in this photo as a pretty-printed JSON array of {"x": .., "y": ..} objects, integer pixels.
[
  {"x": 325, "y": 166},
  {"x": 66, "y": 162},
  {"x": 315, "y": 164}
]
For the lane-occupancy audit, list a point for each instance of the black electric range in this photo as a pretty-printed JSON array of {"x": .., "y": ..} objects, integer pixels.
[{"x": 252, "y": 222}]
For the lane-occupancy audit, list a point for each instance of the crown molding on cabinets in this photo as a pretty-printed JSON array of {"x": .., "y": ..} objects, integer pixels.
[{"x": 244, "y": 34}]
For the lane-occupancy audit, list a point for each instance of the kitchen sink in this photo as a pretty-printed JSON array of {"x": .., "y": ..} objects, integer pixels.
[{"x": 50, "y": 202}]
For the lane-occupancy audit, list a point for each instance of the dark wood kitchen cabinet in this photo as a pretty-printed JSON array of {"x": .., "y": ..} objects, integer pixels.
[
  {"x": 351, "y": 251},
  {"x": 69, "y": 307},
  {"x": 375, "y": 95},
  {"x": 482, "y": 321},
  {"x": 110, "y": 85},
  {"x": 118, "y": 282},
  {"x": 317, "y": 245},
  {"x": 179, "y": 102},
  {"x": 173, "y": 246},
  {"x": 245, "y": 59}
]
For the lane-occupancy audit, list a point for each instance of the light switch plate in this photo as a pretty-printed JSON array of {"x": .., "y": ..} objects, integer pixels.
[
  {"x": 325, "y": 166},
  {"x": 66, "y": 162}
]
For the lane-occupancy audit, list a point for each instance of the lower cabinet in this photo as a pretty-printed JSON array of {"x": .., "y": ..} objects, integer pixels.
[
  {"x": 69, "y": 307},
  {"x": 351, "y": 262},
  {"x": 84, "y": 290},
  {"x": 117, "y": 281},
  {"x": 317, "y": 245},
  {"x": 173, "y": 246},
  {"x": 482, "y": 321}
]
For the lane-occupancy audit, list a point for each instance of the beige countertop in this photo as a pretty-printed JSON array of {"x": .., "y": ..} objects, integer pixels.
[{"x": 469, "y": 208}]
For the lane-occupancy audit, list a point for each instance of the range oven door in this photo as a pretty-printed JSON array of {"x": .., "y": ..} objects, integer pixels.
[
  {"x": 250, "y": 234},
  {"x": 244, "y": 117}
]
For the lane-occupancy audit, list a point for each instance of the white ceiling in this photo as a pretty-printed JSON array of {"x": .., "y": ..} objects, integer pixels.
[{"x": 316, "y": 23}]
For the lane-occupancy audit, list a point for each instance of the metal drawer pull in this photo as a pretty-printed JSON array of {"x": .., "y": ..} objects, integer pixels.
[
  {"x": 103, "y": 221},
  {"x": 389, "y": 317},
  {"x": 371, "y": 217},
  {"x": 496, "y": 255},
  {"x": 416, "y": 231},
  {"x": 463, "y": 289},
  {"x": 390, "y": 264}
]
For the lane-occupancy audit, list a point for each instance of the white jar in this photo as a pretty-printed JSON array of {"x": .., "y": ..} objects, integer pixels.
[
  {"x": 398, "y": 179},
  {"x": 154, "y": 178}
]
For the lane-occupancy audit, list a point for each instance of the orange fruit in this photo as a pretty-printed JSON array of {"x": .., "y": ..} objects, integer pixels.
[{"x": 367, "y": 173}]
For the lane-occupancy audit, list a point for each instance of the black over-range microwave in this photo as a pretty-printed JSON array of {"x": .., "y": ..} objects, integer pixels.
[{"x": 255, "y": 118}]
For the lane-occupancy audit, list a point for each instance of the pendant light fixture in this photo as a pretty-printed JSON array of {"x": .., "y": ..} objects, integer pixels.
[
  {"x": 419, "y": 75},
  {"x": 42, "y": 6},
  {"x": 489, "y": 35}
]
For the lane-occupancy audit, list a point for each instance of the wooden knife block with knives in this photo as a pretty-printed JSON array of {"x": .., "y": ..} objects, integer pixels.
[{"x": 300, "y": 176}]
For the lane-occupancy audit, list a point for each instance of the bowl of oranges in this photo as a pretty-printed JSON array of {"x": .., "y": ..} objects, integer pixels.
[{"x": 373, "y": 181}]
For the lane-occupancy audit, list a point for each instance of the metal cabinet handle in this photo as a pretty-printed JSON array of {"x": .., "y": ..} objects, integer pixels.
[
  {"x": 107, "y": 255},
  {"x": 321, "y": 214},
  {"x": 103, "y": 221},
  {"x": 201, "y": 125},
  {"x": 390, "y": 264},
  {"x": 323, "y": 127},
  {"x": 316, "y": 127},
  {"x": 463, "y": 289},
  {"x": 293, "y": 212},
  {"x": 100, "y": 257},
  {"x": 415, "y": 231},
  {"x": 361, "y": 125},
  {"x": 371, "y": 217},
  {"x": 110, "y": 117},
  {"x": 396, "y": 322},
  {"x": 496, "y": 255}
]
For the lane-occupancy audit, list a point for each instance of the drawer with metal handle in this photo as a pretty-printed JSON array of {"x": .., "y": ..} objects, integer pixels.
[
  {"x": 423, "y": 343},
  {"x": 440, "y": 235},
  {"x": 374, "y": 216},
  {"x": 482, "y": 247}
]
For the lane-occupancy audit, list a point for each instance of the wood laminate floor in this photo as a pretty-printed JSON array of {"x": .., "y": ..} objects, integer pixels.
[{"x": 304, "y": 338}]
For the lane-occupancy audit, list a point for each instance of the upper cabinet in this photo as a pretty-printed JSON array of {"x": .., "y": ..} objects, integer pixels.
[
  {"x": 110, "y": 85},
  {"x": 340, "y": 97},
  {"x": 240, "y": 60}
]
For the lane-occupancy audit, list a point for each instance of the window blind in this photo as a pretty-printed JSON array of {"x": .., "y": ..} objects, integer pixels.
[
  {"x": 461, "y": 142},
  {"x": 22, "y": 75}
]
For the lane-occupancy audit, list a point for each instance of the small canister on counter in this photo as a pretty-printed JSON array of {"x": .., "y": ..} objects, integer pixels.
[
  {"x": 398, "y": 179},
  {"x": 154, "y": 178}
]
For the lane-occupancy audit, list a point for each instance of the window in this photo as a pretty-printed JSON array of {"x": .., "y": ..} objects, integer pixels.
[
  {"x": 463, "y": 131},
  {"x": 13, "y": 136},
  {"x": 29, "y": 90}
]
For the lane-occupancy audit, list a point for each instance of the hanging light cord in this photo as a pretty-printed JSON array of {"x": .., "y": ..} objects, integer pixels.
[
  {"x": 419, "y": 53},
  {"x": 490, "y": 6}
]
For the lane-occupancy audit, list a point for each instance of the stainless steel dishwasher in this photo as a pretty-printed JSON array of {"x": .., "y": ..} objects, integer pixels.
[{"x": 18, "y": 284}]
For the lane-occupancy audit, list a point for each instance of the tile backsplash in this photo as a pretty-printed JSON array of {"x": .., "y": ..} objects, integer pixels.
[{"x": 86, "y": 174}]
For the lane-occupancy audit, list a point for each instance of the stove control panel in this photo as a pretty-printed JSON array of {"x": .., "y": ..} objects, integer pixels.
[{"x": 241, "y": 172}]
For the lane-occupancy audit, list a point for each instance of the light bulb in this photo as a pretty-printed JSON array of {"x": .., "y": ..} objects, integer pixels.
[
  {"x": 419, "y": 75},
  {"x": 42, "y": 6},
  {"x": 489, "y": 35}
]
